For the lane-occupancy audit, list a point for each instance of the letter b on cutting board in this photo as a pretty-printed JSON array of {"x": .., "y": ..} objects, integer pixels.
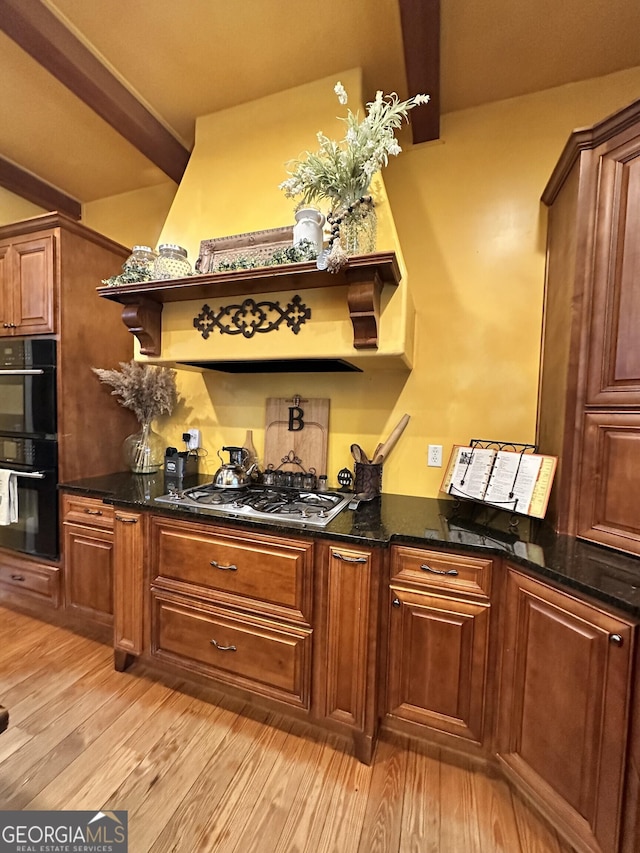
[{"x": 297, "y": 427}]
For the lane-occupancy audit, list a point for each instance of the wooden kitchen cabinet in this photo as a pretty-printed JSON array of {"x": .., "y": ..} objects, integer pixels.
[
  {"x": 345, "y": 679},
  {"x": 49, "y": 267},
  {"x": 129, "y": 540},
  {"x": 234, "y": 606},
  {"x": 564, "y": 709},
  {"x": 88, "y": 561},
  {"x": 589, "y": 405},
  {"x": 265, "y": 657},
  {"x": 439, "y": 618},
  {"x": 26, "y": 286},
  {"x": 608, "y": 506},
  {"x": 29, "y": 581}
]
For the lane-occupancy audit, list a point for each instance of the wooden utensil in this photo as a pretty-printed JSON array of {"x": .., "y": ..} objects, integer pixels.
[
  {"x": 358, "y": 454},
  {"x": 390, "y": 443}
]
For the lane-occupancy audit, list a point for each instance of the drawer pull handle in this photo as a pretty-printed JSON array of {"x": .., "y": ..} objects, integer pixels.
[
  {"x": 17, "y": 577},
  {"x": 93, "y": 511},
  {"x": 396, "y": 602},
  {"x": 126, "y": 520},
  {"x": 223, "y": 648},
  {"x": 230, "y": 568},
  {"x": 616, "y": 639},
  {"x": 346, "y": 559},
  {"x": 451, "y": 572}
]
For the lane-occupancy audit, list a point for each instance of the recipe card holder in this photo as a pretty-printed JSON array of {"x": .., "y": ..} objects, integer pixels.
[{"x": 501, "y": 474}]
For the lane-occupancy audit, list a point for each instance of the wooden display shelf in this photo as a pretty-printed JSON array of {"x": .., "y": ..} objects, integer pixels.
[{"x": 364, "y": 279}]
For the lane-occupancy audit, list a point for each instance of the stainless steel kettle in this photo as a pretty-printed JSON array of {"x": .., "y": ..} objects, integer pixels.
[{"x": 234, "y": 474}]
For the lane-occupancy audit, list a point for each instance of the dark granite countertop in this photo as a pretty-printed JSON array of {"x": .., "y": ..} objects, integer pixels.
[{"x": 608, "y": 576}]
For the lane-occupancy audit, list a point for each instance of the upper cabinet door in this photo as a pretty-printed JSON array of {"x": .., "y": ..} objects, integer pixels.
[
  {"x": 33, "y": 290},
  {"x": 614, "y": 355},
  {"x": 6, "y": 291}
]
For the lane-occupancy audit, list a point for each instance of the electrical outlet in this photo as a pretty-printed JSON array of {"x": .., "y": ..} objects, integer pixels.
[
  {"x": 434, "y": 456},
  {"x": 194, "y": 439}
]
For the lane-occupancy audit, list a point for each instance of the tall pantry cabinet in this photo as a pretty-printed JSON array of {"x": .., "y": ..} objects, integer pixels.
[
  {"x": 589, "y": 406},
  {"x": 50, "y": 266}
]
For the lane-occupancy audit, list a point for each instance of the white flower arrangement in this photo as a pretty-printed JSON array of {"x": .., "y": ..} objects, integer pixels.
[{"x": 341, "y": 172}]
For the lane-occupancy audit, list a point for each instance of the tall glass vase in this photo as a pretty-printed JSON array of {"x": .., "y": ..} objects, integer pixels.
[
  {"x": 143, "y": 451},
  {"x": 359, "y": 229}
]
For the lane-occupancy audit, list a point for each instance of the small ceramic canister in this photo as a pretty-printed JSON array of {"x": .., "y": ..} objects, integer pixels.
[{"x": 309, "y": 222}]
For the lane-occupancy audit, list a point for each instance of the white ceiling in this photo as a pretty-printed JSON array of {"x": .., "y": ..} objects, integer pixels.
[{"x": 194, "y": 57}]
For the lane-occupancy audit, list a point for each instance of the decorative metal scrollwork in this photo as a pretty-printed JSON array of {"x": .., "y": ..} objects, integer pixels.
[{"x": 252, "y": 318}]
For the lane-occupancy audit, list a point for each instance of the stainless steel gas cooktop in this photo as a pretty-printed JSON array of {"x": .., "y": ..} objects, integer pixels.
[{"x": 269, "y": 503}]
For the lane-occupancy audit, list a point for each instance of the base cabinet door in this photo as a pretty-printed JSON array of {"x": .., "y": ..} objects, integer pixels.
[
  {"x": 439, "y": 617},
  {"x": 129, "y": 531},
  {"x": 437, "y": 662},
  {"x": 346, "y": 662},
  {"x": 608, "y": 513},
  {"x": 88, "y": 572},
  {"x": 563, "y": 709},
  {"x": 87, "y": 532}
]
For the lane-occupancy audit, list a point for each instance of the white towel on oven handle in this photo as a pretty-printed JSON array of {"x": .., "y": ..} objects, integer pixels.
[{"x": 8, "y": 497}]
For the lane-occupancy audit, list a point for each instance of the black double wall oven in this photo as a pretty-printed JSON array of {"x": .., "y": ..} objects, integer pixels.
[{"x": 29, "y": 443}]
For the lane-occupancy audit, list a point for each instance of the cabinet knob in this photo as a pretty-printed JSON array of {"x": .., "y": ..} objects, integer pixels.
[
  {"x": 451, "y": 572},
  {"x": 616, "y": 640},
  {"x": 17, "y": 577},
  {"x": 126, "y": 520},
  {"x": 395, "y": 602},
  {"x": 93, "y": 511}
]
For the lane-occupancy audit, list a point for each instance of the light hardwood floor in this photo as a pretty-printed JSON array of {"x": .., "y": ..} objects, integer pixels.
[{"x": 200, "y": 776}]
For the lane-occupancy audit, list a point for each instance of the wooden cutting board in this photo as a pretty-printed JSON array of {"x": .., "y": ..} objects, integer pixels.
[{"x": 296, "y": 428}]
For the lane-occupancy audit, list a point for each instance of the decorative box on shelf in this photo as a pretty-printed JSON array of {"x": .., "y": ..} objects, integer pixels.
[{"x": 255, "y": 246}]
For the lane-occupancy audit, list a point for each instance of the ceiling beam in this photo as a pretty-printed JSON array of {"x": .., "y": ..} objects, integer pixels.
[
  {"x": 421, "y": 38},
  {"x": 44, "y": 37},
  {"x": 37, "y": 191}
]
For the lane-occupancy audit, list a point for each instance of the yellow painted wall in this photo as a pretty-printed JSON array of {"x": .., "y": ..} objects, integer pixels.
[
  {"x": 130, "y": 218},
  {"x": 13, "y": 208},
  {"x": 473, "y": 235},
  {"x": 472, "y": 232},
  {"x": 134, "y": 218}
]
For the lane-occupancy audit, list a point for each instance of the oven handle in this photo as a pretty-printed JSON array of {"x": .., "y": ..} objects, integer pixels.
[
  {"x": 31, "y": 475},
  {"x": 12, "y": 372}
]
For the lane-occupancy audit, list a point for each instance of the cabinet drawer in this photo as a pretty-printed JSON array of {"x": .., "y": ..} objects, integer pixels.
[
  {"x": 42, "y": 582},
  {"x": 245, "y": 651},
  {"x": 440, "y": 570},
  {"x": 275, "y": 575},
  {"x": 87, "y": 511}
]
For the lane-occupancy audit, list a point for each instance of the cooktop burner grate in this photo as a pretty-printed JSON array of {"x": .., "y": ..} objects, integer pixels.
[{"x": 265, "y": 502}]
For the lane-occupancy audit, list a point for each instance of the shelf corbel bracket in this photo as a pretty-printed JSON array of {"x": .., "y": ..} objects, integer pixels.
[
  {"x": 363, "y": 299},
  {"x": 143, "y": 318}
]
